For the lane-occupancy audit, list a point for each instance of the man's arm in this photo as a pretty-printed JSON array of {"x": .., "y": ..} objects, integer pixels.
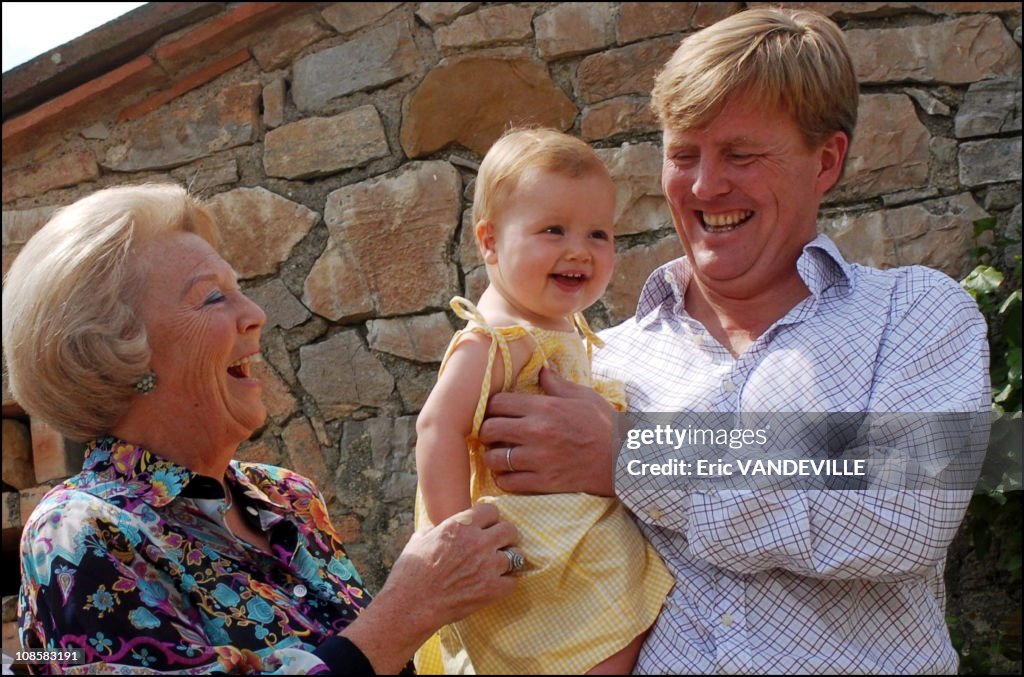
[{"x": 933, "y": 359}]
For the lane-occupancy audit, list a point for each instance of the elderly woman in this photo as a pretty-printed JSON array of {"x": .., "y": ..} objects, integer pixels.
[{"x": 122, "y": 325}]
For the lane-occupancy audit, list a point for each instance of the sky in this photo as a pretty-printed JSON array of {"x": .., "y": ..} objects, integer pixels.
[{"x": 31, "y": 28}]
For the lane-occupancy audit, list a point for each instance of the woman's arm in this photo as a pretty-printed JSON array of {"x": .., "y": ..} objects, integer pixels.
[{"x": 442, "y": 575}]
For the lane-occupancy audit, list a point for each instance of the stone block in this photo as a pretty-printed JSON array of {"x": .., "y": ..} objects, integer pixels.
[
  {"x": 990, "y": 107},
  {"x": 639, "y": 201},
  {"x": 307, "y": 457},
  {"x": 53, "y": 456},
  {"x": 11, "y": 518},
  {"x": 273, "y": 104},
  {"x": 10, "y": 608},
  {"x": 69, "y": 169},
  {"x": 488, "y": 27},
  {"x": 208, "y": 173},
  {"x": 435, "y": 13},
  {"x": 17, "y": 455},
  {"x": 388, "y": 247},
  {"x": 285, "y": 41},
  {"x": 260, "y": 451},
  {"x": 415, "y": 388},
  {"x": 469, "y": 251},
  {"x": 626, "y": 70},
  {"x": 282, "y": 309},
  {"x": 574, "y": 28},
  {"x": 228, "y": 119},
  {"x": 10, "y": 640},
  {"x": 369, "y": 61},
  {"x": 622, "y": 115},
  {"x": 277, "y": 395},
  {"x": 421, "y": 338},
  {"x": 990, "y": 161},
  {"x": 472, "y": 100},
  {"x": 248, "y": 215},
  {"x": 349, "y": 17},
  {"x": 21, "y": 224},
  {"x": 320, "y": 146},
  {"x": 937, "y": 233},
  {"x": 327, "y": 370},
  {"x": 889, "y": 152},
  {"x": 638, "y": 20},
  {"x": 958, "y": 51}
]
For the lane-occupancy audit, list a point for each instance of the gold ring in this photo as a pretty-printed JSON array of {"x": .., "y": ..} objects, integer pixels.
[{"x": 508, "y": 460}]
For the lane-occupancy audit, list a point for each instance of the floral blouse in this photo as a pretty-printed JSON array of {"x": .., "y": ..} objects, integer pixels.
[{"x": 130, "y": 562}]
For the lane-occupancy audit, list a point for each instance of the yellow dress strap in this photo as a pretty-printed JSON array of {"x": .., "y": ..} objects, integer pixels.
[
  {"x": 499, "y": 344},
  {"x": 588, "y": 334}
]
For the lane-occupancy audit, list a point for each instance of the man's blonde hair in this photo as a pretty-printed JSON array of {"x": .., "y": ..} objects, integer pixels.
[
  {"x": 521, "y": 150},
  {"x": 794, "y": 59},
  {"x": 73, "y": 336}
]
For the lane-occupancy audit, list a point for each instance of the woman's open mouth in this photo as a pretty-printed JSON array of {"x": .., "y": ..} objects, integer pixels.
[{"x": 241, "y": 368}]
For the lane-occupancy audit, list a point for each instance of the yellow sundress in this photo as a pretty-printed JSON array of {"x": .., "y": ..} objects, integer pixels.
[{"x": 591, "y": 582}]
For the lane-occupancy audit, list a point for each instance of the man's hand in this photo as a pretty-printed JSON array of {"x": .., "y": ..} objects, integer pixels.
[{"x": 561, "y": 441}]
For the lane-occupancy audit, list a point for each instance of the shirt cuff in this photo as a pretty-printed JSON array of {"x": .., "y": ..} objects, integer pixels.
[{"x": 343, "y": 657}]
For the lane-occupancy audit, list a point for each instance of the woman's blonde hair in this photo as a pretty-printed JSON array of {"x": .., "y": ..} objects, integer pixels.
[
  {"x": 524, "y": 149},
  {"x": 73, "y": 338},
  {"x": 795, "y": 59}
]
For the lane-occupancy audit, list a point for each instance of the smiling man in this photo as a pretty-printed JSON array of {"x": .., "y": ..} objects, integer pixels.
[{"x": 763, "y": 314}]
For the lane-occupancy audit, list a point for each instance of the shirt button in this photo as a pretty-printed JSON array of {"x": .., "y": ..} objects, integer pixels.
[
  {"x": 728, "y": 386},
  {"x": 727, "y": 620},
  {"x": 667, "y": 277},
  {"x": 698, "y": 340},
  {"x": 655, "y": 513},
  {"x": 252, "y": 510},
  {"x": 299, "y": 591}
]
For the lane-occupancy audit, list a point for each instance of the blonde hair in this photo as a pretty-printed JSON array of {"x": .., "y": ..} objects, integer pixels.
[
  {"x": 524, "y": 149},
  {"x": 795, "y": 59},
  {"x": 73, "y": 338}
]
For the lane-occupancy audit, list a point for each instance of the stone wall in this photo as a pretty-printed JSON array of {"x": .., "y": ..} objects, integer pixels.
[{"x": 338, "y": 143}]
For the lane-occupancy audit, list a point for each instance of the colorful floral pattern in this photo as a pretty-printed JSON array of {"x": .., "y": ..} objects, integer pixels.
[{"x": 131, "y": 562}]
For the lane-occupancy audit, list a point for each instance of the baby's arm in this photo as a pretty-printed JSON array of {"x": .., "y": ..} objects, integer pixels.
[{"x": 442, "y": 460}]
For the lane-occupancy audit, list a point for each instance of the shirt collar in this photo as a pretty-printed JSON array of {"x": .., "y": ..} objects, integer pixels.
[
  {"x": 820, "y": 265},
  {"x": 126, "y": 469}
]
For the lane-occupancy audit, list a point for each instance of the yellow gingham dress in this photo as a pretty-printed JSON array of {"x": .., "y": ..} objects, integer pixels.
[{"x": 591, "y": 582}]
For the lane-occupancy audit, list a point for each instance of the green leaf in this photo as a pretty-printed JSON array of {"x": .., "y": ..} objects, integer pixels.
[
  {"x": 1013, "y": 298},
  {"x": 985, "y": 224},
  {"x": 1003, "y": 394},
  {"x": 1013, "y": 371},
  {"x": 983, "y": 280}
]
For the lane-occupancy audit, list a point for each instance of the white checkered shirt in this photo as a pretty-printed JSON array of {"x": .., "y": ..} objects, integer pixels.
[{"x": 804, "y": 581}]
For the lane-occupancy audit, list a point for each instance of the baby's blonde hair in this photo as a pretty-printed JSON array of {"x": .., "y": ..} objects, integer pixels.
[{"x": 521, "y": 150}]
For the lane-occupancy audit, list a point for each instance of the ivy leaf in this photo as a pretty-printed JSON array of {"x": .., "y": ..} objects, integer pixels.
[
  {"x": 983, "y": 280},
  {"x": 985, "y": 224}
]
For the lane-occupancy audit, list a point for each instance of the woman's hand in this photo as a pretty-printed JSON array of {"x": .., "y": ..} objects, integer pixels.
[
  {"x": 560, "y": 442},
  {"x": 443, "y": 574}
]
